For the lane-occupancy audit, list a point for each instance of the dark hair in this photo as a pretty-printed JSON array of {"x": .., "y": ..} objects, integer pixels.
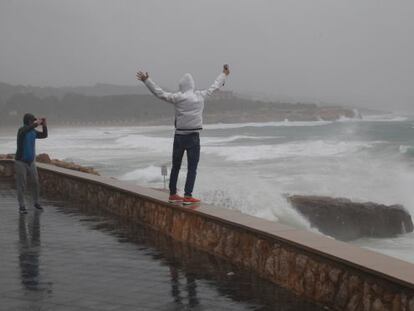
[{"x": 28, "y": 119}]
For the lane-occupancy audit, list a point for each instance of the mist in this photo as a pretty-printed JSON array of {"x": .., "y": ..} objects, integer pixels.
[{"x": 345, "y": 52}]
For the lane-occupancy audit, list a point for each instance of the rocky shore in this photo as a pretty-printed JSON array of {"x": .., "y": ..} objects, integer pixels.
[{"x": 45, "y": 158}]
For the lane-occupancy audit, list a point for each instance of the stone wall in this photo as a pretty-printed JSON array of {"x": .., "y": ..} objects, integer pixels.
[{"x": 328, "y": 272}]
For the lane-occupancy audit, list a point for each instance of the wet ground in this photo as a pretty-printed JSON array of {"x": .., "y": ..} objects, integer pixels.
[{"x": 72, "y": 258}]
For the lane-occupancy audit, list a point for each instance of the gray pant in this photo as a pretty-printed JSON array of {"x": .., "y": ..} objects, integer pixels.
[{"x": 24, "y": 170}]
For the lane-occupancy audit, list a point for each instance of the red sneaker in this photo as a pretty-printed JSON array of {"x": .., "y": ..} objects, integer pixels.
[
  {"x": 191, "y": 200},
  {"x": 175, "y": 198}
]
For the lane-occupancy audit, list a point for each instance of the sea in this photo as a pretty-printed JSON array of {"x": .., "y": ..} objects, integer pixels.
[{"x": 252, "y": 167}]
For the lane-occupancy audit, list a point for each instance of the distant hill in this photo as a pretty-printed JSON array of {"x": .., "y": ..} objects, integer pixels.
[
  {"x": 99, "y": 89},
  {"x": 132, "y": 104}
]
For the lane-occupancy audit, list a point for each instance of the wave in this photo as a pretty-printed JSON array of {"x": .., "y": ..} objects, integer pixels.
[
  {"x": 147, "y": 175},
  {"x": 317, "y": 148},
  {"x": 145, "y": 143},
  {"x": 400, "y": 246},
  {"x": 286, "y": 123},
  {"x": 223, "y": 126},
  {"x": 406, "y": 150},
  {"x": 384, "y": 118},
  {"x": 8, "y": 146},
  {"x": 252, "y": 196},
  {"x": 211, "y": 140},
  {"x": 164, "y": 144}
]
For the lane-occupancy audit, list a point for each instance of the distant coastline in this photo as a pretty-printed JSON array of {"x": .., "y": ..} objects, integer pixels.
[{"x": 118, "y": 105}]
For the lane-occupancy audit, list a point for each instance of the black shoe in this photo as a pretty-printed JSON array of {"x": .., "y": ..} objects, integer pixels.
[
  {"x": 22, "y": 210},
  {"x": 37, "y": 206}
]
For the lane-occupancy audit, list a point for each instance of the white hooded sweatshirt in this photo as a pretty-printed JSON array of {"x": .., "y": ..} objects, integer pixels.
[{"x": 188, "y": 102}]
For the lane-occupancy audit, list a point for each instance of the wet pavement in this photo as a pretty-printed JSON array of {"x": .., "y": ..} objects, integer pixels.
[{"x": 72, "y": 258}]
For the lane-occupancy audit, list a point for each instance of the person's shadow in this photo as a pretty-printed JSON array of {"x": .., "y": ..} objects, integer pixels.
[{"x": 29, "y": 249}]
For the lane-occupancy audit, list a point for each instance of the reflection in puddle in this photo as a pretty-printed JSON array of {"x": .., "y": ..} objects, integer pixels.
[
  {"x": 74, "y": 258},
  {"x": 29, "y": 252},
  {"x": 188, "y": 266}
]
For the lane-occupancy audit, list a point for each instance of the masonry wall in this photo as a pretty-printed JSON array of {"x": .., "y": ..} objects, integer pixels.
[{"x": 316, "y": 268}]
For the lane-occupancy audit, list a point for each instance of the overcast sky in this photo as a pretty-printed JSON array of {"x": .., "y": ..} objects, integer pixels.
[{"x": 358, "y": 52}]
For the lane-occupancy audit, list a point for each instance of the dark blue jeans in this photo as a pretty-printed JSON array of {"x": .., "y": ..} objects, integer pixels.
[{"x": 191, "y": 144}]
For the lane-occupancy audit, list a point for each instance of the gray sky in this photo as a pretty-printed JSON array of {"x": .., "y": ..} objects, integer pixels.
[{"x": 346, "y": 51}]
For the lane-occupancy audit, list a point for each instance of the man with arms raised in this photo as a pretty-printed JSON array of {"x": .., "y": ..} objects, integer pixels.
[{"x": 189, "y": 105}]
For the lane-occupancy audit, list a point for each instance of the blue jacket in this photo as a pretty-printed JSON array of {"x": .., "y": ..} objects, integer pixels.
[{"x": 26, "y": 142}]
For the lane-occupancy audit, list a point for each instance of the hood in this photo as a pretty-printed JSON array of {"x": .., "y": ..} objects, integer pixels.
[
  {"x": 186, "y": 83},
  {"x": 28, "y": 119}
]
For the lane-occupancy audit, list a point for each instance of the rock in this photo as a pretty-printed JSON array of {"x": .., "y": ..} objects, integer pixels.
[
  {"x": 346, "y": 220},
  {"x": 43, "y": 158},
  {"x": 73, "y": 166},
  {"x": 8, "y": 156}
]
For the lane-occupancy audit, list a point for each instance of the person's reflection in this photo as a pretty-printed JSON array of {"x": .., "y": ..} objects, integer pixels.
[
  {"x": 191, "y": 288},
  {"x": 29, "y": 247},
  {"x": 175, "y": 285}
]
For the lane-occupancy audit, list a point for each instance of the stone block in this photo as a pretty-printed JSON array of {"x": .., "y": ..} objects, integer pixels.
[
  {"x": 377, "y": 305},
  {"x": 284, "y": 267},
  {"x": 342, "y": 296},
  {"x": 411, "y": 304},
  {"x": 354, "y": 303}
]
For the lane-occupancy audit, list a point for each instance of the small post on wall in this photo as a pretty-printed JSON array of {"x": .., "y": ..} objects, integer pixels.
[{"x": 164, "y": 173}]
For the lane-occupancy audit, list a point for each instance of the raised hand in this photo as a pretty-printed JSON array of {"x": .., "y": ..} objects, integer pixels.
[
  {"x": 142, "y": 76},
  {"x": 226, "y": 69}
]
